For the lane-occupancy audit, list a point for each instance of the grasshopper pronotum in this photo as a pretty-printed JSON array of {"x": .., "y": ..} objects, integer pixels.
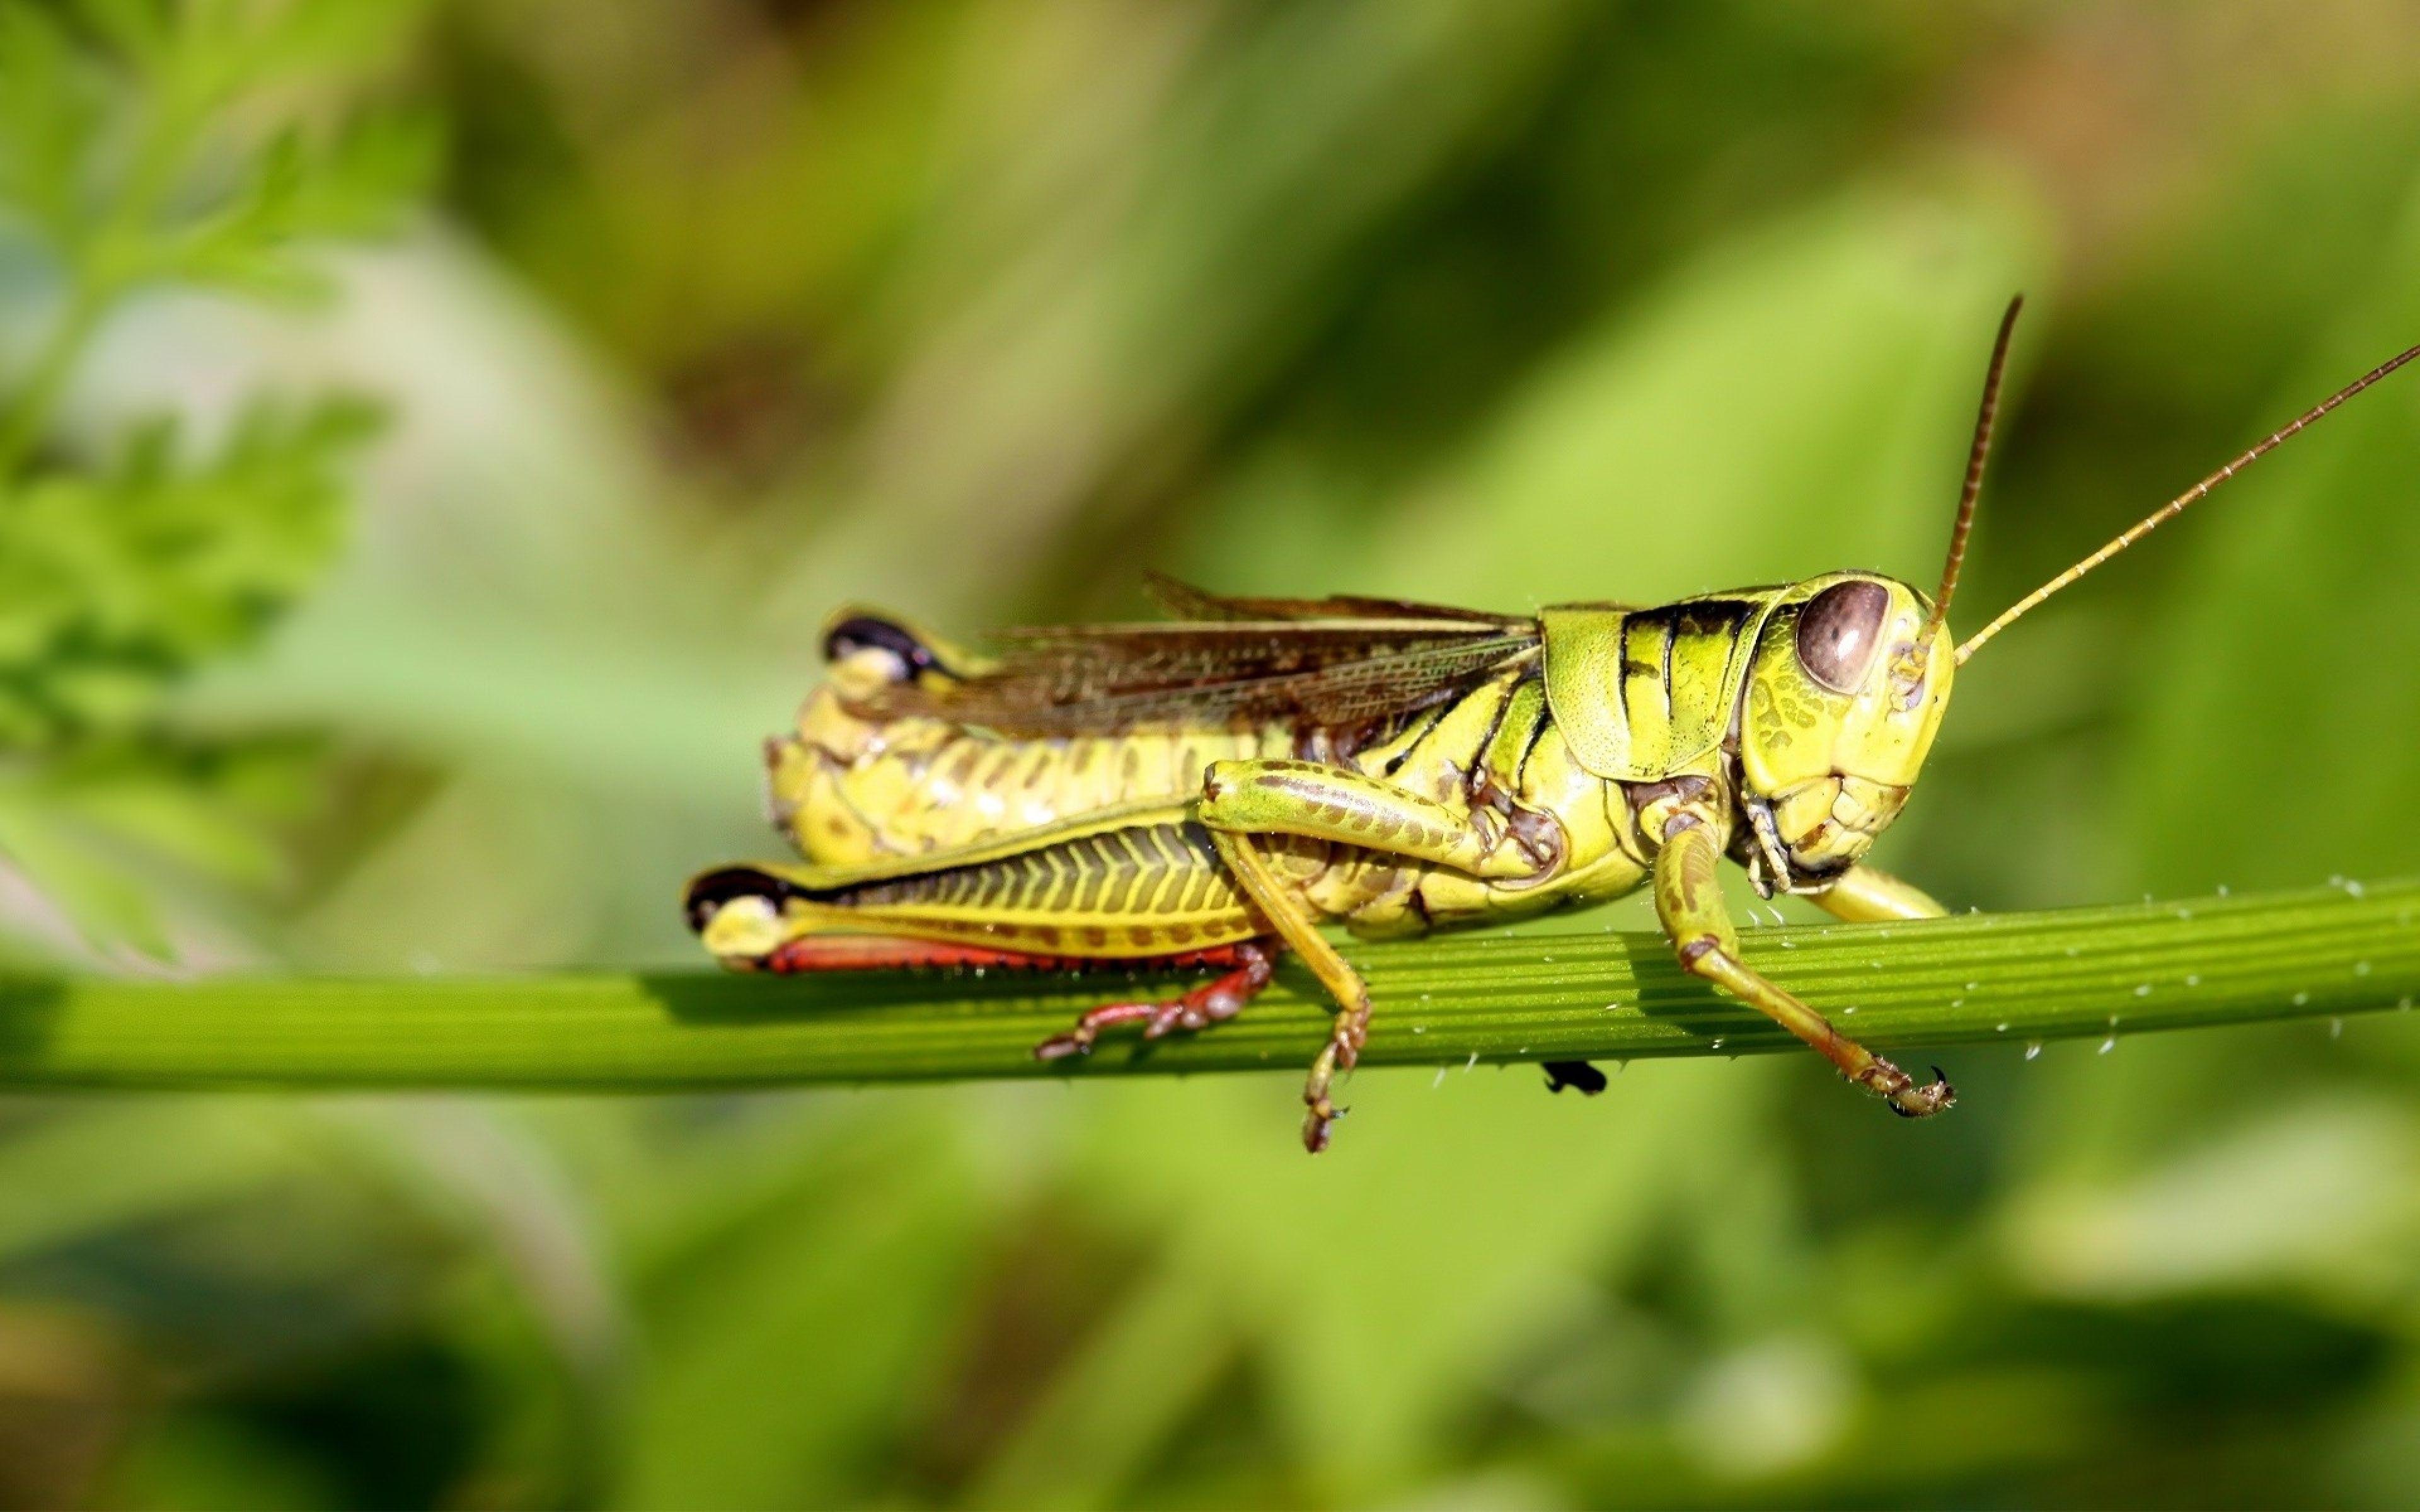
[{"x": 1206, "y": 790}]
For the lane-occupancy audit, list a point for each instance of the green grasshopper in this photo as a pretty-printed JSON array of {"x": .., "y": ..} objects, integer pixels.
[{"x": 1203, "y": 792}]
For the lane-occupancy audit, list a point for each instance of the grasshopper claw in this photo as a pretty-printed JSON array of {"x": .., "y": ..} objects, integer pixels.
[
  {"x": 1060, "y": 1046},
  {"x": 1319, "y": 1124},
  {"x": 1924, "y": 1102},
  {"x": 1909, "y": 1101}
]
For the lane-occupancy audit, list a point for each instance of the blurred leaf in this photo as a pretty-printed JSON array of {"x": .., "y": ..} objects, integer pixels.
[
  {"x": 1385, "y": 1282},
  {"x": 47, "y": 117},
  {"x": 778, "y": 1352},
  {"x": 71, "y": 1177},
  {"x": 118, "y": 834},
  {"x": 197, "y": 1463},
  {"x": 146, "y": 31},
  {"x": 297, "y": 195},
  {"x": 113, "y": 585},
  {"x": 1796, "y": 402},
  {"x": 118, "y": 580},
  {"x": 1141, "y": 1371},
  {"x": 266, "y": 43},
  {"x": 2282, "y": 694},
  {"x": 2318, "y": 1196},
  {"x": 102, "y": 904},
  {"x": 1035, "y": 369}
]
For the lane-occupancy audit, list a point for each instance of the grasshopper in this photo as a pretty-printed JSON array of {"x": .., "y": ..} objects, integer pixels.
[{"x": 1206, "y": 791}]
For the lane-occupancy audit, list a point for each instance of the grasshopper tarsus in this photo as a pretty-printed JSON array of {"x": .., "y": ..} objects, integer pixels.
[
  {"x": 1341, "y": 1052},
  {"x": 1904, "y": 1097},
  {"x": 1319, "y": 1124},
  {"x": 1076, "y": 1042}
]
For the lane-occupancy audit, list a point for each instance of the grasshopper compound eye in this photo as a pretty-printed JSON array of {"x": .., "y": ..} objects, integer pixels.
[{"x": 1839, "y": 631}]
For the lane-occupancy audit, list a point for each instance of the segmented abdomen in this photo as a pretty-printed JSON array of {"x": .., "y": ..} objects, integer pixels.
[
  {"x": 1141, "y": 890},
  {"x": 849, "y": 791}
]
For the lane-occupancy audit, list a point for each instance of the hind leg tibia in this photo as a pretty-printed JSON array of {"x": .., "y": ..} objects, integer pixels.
[{"x": 1213, "y": 1002}]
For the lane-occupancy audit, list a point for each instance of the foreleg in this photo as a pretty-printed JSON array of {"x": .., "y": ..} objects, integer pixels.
[{"x": 1689, "y": 900}]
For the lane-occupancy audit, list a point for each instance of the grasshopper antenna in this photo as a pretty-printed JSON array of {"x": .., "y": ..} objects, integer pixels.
[
  {"x": 1984, "y": 414},
  {"x": 2178, "y": 504}
]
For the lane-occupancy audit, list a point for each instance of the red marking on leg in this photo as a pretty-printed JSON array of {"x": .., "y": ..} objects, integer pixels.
[
  {"x": 874, "y": 952},
  {"x": 1219, "y": 1001},
  {"x": 1078, "y": 1041},
  {"x": 1213, "y": 1002}
]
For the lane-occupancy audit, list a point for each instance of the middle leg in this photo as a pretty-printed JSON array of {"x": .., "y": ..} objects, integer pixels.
[
  {"x": 1242, "y": 800},
  {"x": 1294, "y": 924}
]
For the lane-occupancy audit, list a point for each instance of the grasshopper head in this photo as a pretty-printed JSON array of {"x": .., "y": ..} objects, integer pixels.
[{"x": 1844, "y": 694}]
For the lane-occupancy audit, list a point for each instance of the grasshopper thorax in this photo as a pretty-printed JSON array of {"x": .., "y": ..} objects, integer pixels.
[{"x": 1844, "y": 693}]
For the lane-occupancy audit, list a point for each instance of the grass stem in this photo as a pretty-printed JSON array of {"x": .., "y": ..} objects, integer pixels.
[{"x": 2016, "y": 977}]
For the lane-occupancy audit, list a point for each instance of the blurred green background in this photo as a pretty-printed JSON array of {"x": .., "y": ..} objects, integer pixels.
[{"x": 431, "y": 432}]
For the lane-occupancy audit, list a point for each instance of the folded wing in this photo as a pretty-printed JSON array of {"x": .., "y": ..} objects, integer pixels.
[{"x": 1311, "y": 663}]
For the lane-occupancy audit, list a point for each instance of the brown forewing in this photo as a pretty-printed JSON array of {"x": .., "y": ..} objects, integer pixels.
[{"x": 1316, "y": 673}]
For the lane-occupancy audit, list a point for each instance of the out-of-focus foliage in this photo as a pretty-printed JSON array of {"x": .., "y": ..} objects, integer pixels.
[
  {"x": 727, "y": 310},
  {"x": 140, "y": 149}
]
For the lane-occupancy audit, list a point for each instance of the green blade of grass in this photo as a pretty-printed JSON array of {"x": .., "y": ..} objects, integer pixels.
[{"x": 2014, "y": 977}]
